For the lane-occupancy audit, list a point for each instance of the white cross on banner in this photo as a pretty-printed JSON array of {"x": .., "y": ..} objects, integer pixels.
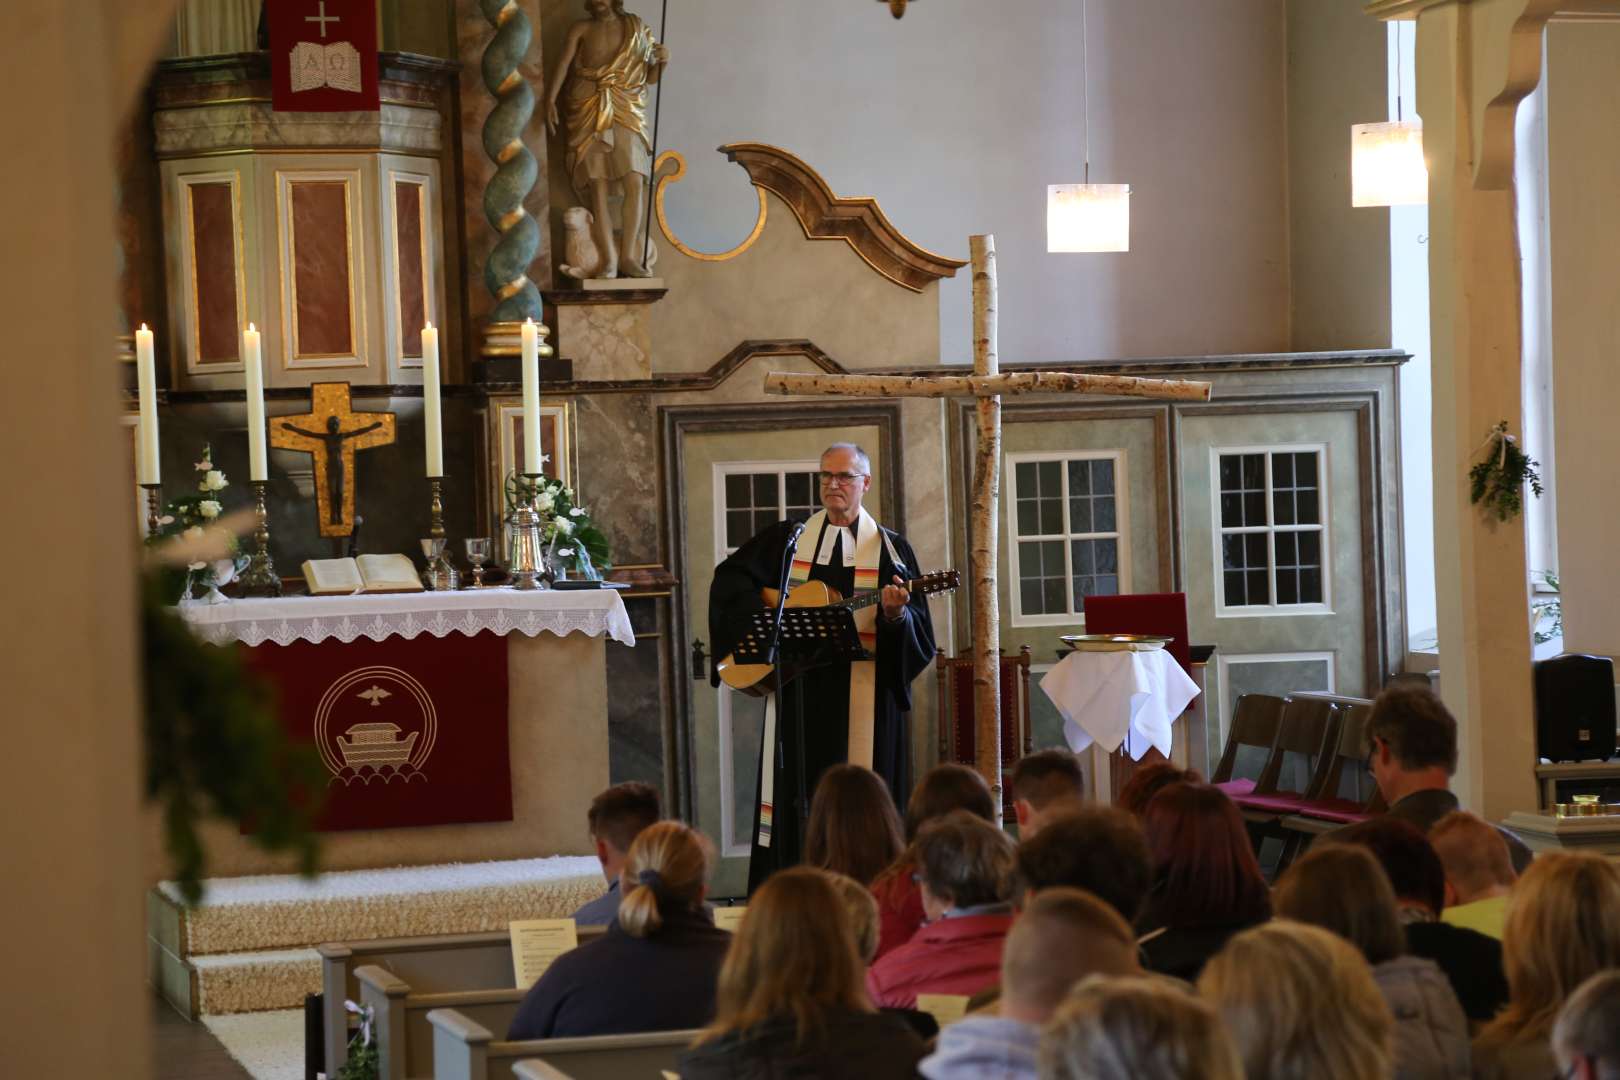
[{"x": 323, "y": 55}]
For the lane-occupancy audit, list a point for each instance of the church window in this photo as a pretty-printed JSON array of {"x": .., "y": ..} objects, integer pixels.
[
  {"x": 755, "y": 496},
  {"x": 1271, "y": 529},
  {"x": 1069, "y": 530}
]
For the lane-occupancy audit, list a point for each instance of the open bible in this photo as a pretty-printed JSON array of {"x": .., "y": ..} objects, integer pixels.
[
  {"x": 336, "y": 64},
  {"x": 365, "y": 574}
]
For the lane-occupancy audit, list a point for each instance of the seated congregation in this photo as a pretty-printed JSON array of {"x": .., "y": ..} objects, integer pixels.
[{"x": 1132, "y": 941}]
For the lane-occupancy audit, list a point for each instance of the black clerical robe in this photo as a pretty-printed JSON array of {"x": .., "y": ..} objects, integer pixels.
[{"x": 904, "y": 648}]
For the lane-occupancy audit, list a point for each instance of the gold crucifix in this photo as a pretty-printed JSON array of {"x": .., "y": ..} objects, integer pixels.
[{"x": 332, "y": 432}]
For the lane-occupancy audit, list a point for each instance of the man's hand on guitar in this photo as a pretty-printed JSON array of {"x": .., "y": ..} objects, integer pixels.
[{"x": 895, "y": 598}]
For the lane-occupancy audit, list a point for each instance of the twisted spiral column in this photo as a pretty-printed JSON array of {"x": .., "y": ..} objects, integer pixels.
[{"x": 506, "y": 271}]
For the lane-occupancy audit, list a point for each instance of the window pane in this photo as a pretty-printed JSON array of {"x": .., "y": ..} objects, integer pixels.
[
  {"x": 1254, "y": 508},
  {"x": 1310, "y": 586},
  {"x": 1105, "y": 556},
  {"x": 1231, "y": 510},
  {"x": 1259, "y": 588},
  {"x": 1285, "y": 550},
  {"x": 1029, "y": 561},
  {"x": 1102, "y": 518},
  {"x": 1106, "y": 585},
  {"x": 764, "y": 489},
  {"x": 1231, "y": 472},
  {"x": 1051, "y": 478},
  {"x": 737, "y": 489},
  {"x": 1309, "y": 508},
  {"x": 1282, "y": 470},
  {"x": 1052, "y": 590},
  {"x": 1081, "y": 551},
  {"x": 1052, "y": 559},
  {"x": 1254, "y": 471},
  {"x": 798, "y": 489},
  {"x": 1232, "y": 552},
  {"x": 1024, "y": 473},
  {"x": 1051, "y": 516},
  {"x": 1080, "y": 515},
  {"x": 1029, "y": 596},
  {"x": 1287, "y": 586},
  {"x": 1102, "y": 477},
  {"x": 1079, "y": 478},
  {"x": 1282, "y": 507},
  {"x": 1310, "y": 549},
  {"x": 1235, "y": 594},
  {"x": 1028, "y": 517},
  {"x": 765, "y": 518},
  {"x": 739, "y": 527},
  {"x": 1255, "y": 547},
  {"x": 1305, "y": 469}
]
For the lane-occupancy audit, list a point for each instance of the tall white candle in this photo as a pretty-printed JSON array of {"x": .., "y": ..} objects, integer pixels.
[
  {"x": 254, "y": 384},
  {"x": 430, "y": 400},
  {"x": 147, "y": 469},
  {"x": 531, "y": 397}
]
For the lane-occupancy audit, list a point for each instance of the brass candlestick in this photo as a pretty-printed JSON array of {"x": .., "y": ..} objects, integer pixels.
[
  {"x": 259, "y": 579},
  {"x": 154, "y": 507},
  {"x": 440, "y": 575}
]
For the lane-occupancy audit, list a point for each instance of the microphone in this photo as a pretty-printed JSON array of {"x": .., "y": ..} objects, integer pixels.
[{"x": 798, "y": 531}]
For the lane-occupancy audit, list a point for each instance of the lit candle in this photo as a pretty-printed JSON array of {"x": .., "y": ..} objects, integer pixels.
[
  {"x": 147, "y": 470},
  {"x": 531, "y": 397},
  {"x": 430, "y": 401},
  {"x": 254, "y": 383}
]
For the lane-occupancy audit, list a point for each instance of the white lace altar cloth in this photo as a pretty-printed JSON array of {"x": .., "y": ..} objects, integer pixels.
[{"x": 285, "y": 620}]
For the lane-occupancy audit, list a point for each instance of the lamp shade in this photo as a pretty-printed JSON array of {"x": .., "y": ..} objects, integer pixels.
[
  {"x": 1386, "y": 164},
  {"x": 1088, "y": 217}
]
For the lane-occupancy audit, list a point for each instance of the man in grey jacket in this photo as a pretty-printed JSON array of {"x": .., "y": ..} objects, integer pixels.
[{"x": 1062, "y": 936}]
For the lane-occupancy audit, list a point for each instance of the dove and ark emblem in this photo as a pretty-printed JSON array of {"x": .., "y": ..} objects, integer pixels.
[{"x": 363, "y": 746}]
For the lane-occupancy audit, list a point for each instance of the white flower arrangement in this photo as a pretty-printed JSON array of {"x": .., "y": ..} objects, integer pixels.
[{"x": 191, "y": 517}]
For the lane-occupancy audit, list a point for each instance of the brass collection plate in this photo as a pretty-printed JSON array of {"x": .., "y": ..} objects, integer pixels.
[{"x": 1116, "y": 642}]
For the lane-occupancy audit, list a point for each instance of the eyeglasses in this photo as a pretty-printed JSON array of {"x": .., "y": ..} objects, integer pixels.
[{"x": 844, "y": 479}]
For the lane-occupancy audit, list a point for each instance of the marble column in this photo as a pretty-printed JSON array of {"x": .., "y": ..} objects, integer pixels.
[{"x": 1471, "y": 63}]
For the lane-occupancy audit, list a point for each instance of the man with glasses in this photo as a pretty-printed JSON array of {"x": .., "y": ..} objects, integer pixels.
[{"x": 852, "y": 712}]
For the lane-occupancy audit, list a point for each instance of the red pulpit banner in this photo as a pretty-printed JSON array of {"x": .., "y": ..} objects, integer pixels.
[
  {"x": 412, "y": 731},
  {"x": 323, "y": 55}
]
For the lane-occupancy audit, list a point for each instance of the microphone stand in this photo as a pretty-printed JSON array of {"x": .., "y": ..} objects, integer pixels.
[{"x": 801, "y": 800}]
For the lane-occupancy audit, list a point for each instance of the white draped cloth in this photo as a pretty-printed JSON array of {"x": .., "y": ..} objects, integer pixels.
[
  {"x": 1119, "y": 697},
  {"x": 283, "y": 620}
]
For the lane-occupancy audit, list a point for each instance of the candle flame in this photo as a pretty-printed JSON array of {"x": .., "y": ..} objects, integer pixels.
[
  {"x": 529, "y": 321},
  {"x": 429, "y": 325},
  {"x": 144, "y": 330},
  {"x": 251, "y": 330}
]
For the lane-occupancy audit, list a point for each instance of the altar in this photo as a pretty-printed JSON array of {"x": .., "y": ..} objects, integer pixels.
[{"x": 455, "y": 726}]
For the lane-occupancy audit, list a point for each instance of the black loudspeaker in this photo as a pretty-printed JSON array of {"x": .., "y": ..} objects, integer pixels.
[{"x": 1575, "y": 708}]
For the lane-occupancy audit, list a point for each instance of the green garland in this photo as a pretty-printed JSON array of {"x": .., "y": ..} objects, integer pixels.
[{"x": 1499, "y": 480}]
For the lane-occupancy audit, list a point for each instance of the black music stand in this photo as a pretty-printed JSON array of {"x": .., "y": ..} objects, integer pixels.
[{"x": 811, "y": 637}]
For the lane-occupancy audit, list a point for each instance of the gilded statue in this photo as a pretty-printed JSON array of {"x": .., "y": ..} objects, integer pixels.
[{"x": 607, "y": 63}]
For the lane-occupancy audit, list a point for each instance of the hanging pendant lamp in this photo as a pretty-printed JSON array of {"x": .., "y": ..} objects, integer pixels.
[
  {"x": 1087, "y": 217},
  {"x": 1386, "y": 159}
]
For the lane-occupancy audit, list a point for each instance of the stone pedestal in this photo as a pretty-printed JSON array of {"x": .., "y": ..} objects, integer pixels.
[
  {"x": 605, "y": 327},
  {"x": 1545, "y": 832}
]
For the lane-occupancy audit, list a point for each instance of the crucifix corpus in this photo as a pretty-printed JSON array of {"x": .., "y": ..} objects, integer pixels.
[
  {"x": 332, "y": 432},
  {"x": 985, "y": 386}
]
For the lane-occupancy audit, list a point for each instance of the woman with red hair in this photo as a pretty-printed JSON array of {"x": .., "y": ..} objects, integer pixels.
[{"x": 1206, "y": 881}]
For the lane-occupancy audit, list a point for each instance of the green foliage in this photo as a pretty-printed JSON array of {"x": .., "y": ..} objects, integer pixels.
[
  {"x": 214, "y": 747},
  {"x": 1548, "y": 609},
  {"x": 362, "y": 1063},
  {"x": 555, "y": 501},
  {"x": 1499, "y": 480}
]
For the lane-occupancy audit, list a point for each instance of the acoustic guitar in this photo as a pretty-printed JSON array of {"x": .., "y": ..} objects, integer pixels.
[{"x": 759, "y": 680}]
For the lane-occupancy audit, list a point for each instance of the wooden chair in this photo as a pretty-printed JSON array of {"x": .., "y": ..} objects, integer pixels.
[
  {"x": 1254, "y": 729},
  {"x": 466, "y": 1050},
  {"x": 958, "y": 737},
  {"x": 1348, "y": 793},
  {"x": 1297, "y": 767}
]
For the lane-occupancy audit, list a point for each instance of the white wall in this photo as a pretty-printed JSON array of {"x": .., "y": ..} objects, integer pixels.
[
  {"x": 1409, "y": 330},
  {"x": 958, "y": 116}
]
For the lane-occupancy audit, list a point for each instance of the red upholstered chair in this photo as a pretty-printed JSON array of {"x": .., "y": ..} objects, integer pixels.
[
  {"x": 958, "y": 739},
  {"x": 1349, "y": 793},
  {"x": 1296, "y": 771},
  {"x": 1249, "y": 740}
]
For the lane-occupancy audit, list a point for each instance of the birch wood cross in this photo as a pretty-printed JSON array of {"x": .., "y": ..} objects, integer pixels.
[{"x": 985, "y": 386}]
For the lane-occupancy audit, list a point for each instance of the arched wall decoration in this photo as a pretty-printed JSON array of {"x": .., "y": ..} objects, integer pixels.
[
  {"x": 856, "y": 220},
  {"x": 663, "y": 223}
]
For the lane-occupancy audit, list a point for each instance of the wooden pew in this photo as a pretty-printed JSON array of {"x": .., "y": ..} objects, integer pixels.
[
  {"x": 535, "y": 1069},
  {"x": 436, "y": 964},
  {"x": 403, "y": 1035},
  {"x": 465, "y": 1050}
]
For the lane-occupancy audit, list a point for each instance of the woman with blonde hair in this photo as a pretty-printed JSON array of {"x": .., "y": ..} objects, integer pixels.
[
  {"x": 1301, "y": 1004},
  {"x": 1563, "y": 926},
  {"x": 1135, "y": 1028},
  {"x": 656, "y": 967},
  {"x": 791, "y": 1000}
]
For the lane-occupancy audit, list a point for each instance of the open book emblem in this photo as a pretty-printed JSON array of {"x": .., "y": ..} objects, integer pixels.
[
  {"x": 335, "y": 64},
  {"x": 391, "y": 745}
]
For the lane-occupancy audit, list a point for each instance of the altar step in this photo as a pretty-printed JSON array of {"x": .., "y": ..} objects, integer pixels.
[{"x": 250, "y": 944}]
